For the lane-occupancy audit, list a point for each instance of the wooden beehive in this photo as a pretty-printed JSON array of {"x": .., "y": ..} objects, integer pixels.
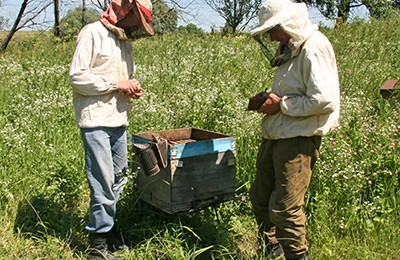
[
  {"x": 200, "y": 170},
  {"x": 389, "y": 88}
]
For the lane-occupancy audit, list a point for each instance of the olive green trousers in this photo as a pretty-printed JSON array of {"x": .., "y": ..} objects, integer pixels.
[{"x": 284, "y": 169}]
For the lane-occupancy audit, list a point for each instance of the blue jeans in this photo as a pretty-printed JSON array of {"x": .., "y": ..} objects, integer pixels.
[{"x": 106, "y": 158}]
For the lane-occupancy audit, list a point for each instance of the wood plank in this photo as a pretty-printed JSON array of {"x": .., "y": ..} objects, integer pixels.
[
  {"x": 202, "y": 178},
  {"x": 155, "y": 190},
  {"x": 183, "y": 134},
  {"x": 174, "y": 134},
  {"x": 200, "y": 134}
]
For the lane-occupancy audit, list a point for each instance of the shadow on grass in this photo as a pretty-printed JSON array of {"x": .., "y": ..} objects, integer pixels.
[
  {"x": 140, "y": 224},
  {"x": 56, "y": 211},
  {"x": 145, "y": 226},
  {"x": 49, "y": 215},
  {"x": 41, "y": 217}
]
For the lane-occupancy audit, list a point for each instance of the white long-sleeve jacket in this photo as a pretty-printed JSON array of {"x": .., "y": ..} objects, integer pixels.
[
  {"x": 308, "y": 85},
  {"x": 99, "y": 62}
]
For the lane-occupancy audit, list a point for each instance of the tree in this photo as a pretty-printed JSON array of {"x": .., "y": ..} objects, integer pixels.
[
  {"x": 190, "y": 29},
  {"x": 57, "y": 18},
  {"x": 83, "y": 13},
  {"x": 236, "y": 13},
  {"x": 380, "y": 9},
  {"x": 28, "y": 12},
  {"x": 3, "y": 22},
  {"x": 102, "y": 5},
  {"x": 165, "y": 19},
  {"x": 71, "y": 24},
  {"x": 340, "y": 10}
]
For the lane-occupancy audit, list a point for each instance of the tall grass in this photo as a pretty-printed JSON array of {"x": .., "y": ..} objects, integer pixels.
[{"x": 200, "y": 81}]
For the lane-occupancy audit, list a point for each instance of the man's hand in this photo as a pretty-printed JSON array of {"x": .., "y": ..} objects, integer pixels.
[
  {"x": 131, "y": 88},
  {"x": 262, "y": 94},
  {"x": 271, "y": 105}
]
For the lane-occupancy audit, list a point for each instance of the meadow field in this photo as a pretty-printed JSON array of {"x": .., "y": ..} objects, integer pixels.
[{"x": 202, "y": 81}]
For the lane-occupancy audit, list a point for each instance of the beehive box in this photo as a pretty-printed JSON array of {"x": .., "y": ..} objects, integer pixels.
[
  {"x": 389, "y": 88},
  {"x": 200, "y": 171}
]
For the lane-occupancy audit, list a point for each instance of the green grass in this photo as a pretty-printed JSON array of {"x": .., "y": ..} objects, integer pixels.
[{"x": 204, "y": 82}]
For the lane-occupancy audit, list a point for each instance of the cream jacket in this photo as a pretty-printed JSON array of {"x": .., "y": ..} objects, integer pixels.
[
  {"x": 308, "y": 84},
  {"x": 309, "y": 87},
  {"x": 99, "y": 62}
]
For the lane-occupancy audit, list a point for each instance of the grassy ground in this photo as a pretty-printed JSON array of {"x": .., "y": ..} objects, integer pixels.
[{"x": 199, "y": 81}]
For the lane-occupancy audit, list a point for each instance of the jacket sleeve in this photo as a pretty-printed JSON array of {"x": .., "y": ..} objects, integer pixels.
[
  {"x": 320, "y": 78},
  {"x": 81, "y": 77}
]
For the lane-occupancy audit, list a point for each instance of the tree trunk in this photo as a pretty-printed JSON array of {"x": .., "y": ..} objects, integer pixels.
[
  {"x": 57, "y": 32},
  {"x": 83, "y": 13},
  {"x": 14, "y": 28},
  {"x": 343, "y": 11}
]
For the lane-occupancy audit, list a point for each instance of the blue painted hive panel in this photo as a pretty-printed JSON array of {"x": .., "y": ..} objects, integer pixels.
[{"x": 189, "y": 142}]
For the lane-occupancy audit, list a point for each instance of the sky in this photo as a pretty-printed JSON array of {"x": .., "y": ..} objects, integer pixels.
[{"x": 198, "y": 13}]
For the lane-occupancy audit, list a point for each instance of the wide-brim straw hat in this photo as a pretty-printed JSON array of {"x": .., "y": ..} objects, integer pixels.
[
  {"x": 120, "y": 8},
  {"x": 145, "y": 10}
]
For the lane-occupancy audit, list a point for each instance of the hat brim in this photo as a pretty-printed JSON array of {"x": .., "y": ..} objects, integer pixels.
[
  {"x": 148, "y": 26},
  {"x": 266, "y": 26},
  {"x": 279, "y": 19}
]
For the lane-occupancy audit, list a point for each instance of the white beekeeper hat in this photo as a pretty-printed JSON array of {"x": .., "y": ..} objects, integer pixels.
[{"x": 276, "y": 12}]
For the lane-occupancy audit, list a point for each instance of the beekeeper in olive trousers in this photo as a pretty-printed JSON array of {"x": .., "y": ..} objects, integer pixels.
[{"x": 302, "y": 106}]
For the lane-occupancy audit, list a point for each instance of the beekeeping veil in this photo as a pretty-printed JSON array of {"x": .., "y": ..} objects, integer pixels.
[
  {"x": 291, "y": 17},
  {"x": 120, "y": 8}
]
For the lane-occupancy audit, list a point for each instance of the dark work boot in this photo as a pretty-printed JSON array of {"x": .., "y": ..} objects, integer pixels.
[
  {"x": 303, "y": 257},
  {"x": 99, "y": 248},
  {"x": 115, "y": 241},
  {"x": 274, "y": 250}
]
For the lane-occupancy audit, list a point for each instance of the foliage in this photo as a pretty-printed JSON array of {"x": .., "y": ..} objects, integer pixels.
[
  {"x": 165, "y": 19},
  {"x": 27, "y": 13},
  {"x": 72, "y": 23},
  {"x": 202, "y": 81},
  {"x": 236, "y": 13},
  {"x": 3, "y": 22},
  {"x": 380, "y": 9},
  {"x": 341, "y": 10},
  {"x": 190, "y": 29},
  {"x": 101, "y": 4}
]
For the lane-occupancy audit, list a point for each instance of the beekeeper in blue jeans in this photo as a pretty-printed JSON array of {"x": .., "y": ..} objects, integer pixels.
[
  {"x": 100, "y": 76},
  {"x": 301, "y": 107}
]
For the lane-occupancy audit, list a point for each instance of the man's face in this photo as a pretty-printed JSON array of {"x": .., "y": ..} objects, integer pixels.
[
  {"x": 279, "y": 35},
  {"x": 131, "y": 21}
]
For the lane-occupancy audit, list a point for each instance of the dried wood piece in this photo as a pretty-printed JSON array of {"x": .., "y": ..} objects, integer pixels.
[{"x": 182, "y": 141}]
